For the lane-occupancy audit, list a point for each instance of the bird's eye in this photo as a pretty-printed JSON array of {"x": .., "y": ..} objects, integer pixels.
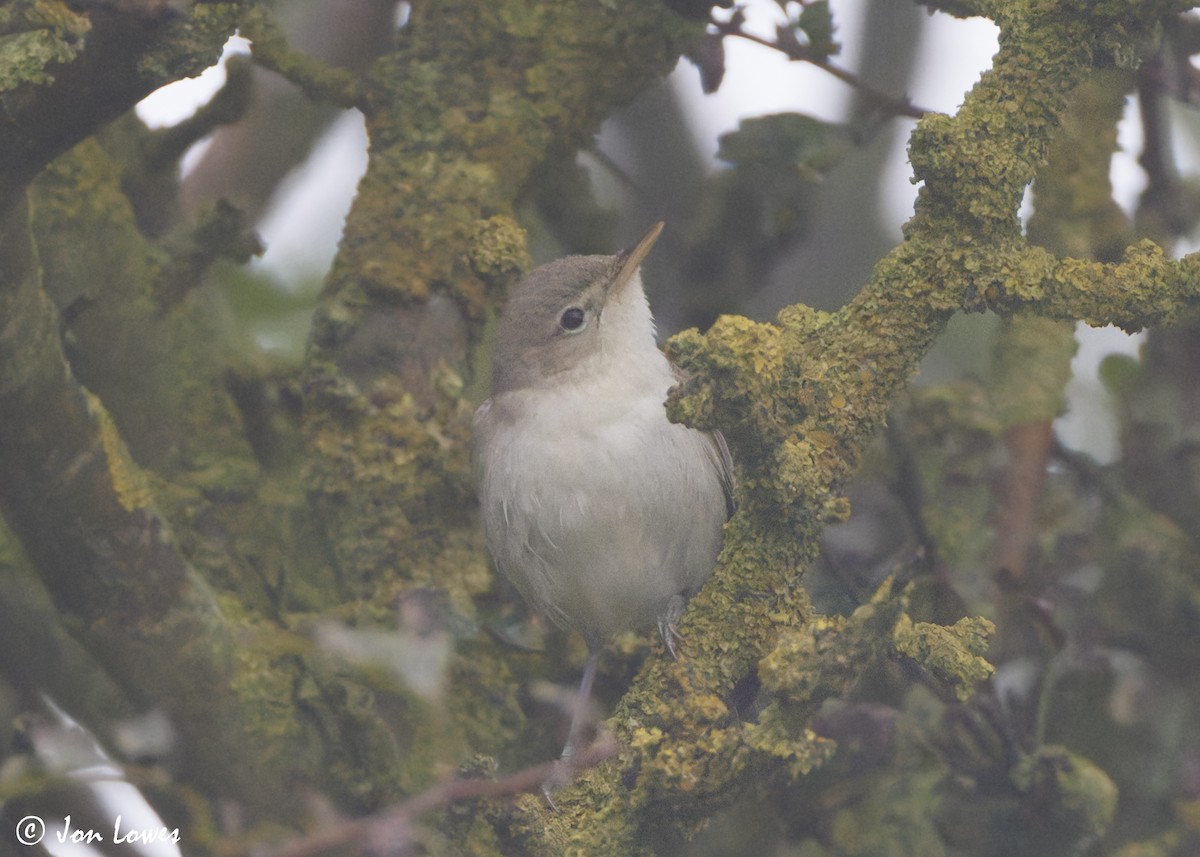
[{"x": 572, "y": 319}]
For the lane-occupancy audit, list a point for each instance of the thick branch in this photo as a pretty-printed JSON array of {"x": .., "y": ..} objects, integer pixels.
[
  {"x": 111, "y": 58},
  {"x": 86, "y": 516}
]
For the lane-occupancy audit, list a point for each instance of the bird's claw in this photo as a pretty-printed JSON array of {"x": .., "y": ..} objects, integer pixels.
[
  {"x": 667, "y": 624},
  {"x": 561, "y": 773}
]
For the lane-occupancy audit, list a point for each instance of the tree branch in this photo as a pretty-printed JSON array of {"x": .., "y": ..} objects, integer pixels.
[
  {"x": 86, "y": 516},
  {"x": 797, "y": 52},
  {"x": 100, "y": 64},
  {"x": 337, "y": 85},
  {"x": 392, "y": 830}
]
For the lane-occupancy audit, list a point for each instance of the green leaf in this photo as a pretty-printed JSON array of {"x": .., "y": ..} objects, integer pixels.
[
  {"x": 787, "y": 142},
  {"x": 816, "y": 21}
]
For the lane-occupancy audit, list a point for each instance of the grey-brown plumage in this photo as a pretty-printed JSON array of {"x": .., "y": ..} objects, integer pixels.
[{"x": 602, "y": 512}]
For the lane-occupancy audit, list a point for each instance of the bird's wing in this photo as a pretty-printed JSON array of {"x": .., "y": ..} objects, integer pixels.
[{"x": 721, "y": 459}]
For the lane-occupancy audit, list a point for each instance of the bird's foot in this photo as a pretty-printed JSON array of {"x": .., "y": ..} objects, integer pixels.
[{"x": 561, "y": 774}]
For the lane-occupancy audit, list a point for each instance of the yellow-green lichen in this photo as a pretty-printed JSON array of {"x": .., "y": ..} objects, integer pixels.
[
  {"x": 952, "y": 654},
  {"x": 270, "y": 49},
  {"x": 892, "y": 820},
  {"x": 498, "y": 250},
  {"x": 129, "y": 483},
  {"x": 1074, "y": 800},
  {"x": 24, "y": 57},
  {"x": 1031, "y": 367},
  {"x": 35, "y": 36},
  {"x": 780, "y": 735},
  {"x": 190, "y": 43}
]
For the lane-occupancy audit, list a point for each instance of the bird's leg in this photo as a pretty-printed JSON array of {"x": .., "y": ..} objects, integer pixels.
[
  {"x": 580, "y": 707},
  {"x": 564, "y": 770},
  {"x": 668, "y": 621}
]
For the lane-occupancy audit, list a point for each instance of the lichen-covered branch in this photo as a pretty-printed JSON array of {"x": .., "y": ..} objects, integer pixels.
[
  {"x": 336, "y": 85},
  {"x": 86, "y": 516},
  {"x": 67, "y": 73},
  {"x": 1074, "y": 215},
  {"x": 163, "y": 576},
  {"x": 798, "y": 399}
]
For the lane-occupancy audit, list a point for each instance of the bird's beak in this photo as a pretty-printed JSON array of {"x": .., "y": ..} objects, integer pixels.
[{"x": 630, "y": 259}]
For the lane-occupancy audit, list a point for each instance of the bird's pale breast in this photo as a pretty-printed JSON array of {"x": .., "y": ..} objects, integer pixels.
[{"x": 599, "y": 515}]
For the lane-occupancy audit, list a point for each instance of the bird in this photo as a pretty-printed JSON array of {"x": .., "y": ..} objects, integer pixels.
[{"x": 603, "y": 514}]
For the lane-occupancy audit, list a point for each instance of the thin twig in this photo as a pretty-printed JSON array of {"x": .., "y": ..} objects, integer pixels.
[
  {"x": 389, "y": 831},
  {"x": 898, "y": 106}
]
